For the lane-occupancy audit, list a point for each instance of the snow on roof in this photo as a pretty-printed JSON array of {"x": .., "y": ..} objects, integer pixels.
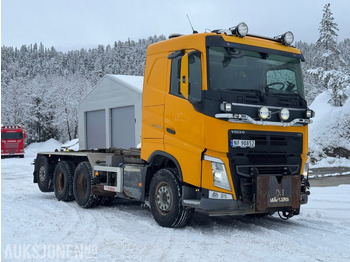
[{"x": 135, "y": 81}]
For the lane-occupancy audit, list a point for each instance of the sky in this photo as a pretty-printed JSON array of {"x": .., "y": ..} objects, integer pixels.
[{"x": 74, "y": 24}]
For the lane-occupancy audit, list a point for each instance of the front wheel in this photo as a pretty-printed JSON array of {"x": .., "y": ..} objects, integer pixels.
[{"x": 165, "y": 200}]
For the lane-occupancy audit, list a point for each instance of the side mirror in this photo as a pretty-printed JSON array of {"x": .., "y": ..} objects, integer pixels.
[
  {"x": 24, "y": 135},
  {"x": 184, "y": 76}
]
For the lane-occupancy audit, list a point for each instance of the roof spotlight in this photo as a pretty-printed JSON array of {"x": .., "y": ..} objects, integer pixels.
[
  {"x": 241, "y": 30},
  {"x": 288, "y": 38}
]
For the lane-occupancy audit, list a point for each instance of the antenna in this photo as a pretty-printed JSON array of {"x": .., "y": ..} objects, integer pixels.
[{"x": 193, "y": 31}]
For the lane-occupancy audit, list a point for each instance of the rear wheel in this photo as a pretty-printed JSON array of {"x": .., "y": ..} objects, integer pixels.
[
  {"x": 44, "y": 174},
  {"x": 82, "y": 186},
  {"x": 63, "y": 181},
  {"x": 165, "y": 200}
]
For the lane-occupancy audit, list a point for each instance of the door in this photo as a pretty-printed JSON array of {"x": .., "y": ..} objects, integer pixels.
[
  {"x": 95, "y": 129},
  {"x": 184, "y": 126},
  {"x": 123, "y": 127}
]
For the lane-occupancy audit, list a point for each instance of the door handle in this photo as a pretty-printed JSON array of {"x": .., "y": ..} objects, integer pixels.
[{"x": 170, "y": 131}]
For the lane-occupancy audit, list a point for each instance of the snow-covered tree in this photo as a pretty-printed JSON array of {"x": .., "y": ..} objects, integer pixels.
[
  {"x": 327, "y": 42},
  {"x": 41, "y": 87},
  {"x": 331, "y": 71}
]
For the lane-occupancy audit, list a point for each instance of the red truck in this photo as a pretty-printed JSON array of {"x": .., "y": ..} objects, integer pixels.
[{"x": 12, "y": 140}]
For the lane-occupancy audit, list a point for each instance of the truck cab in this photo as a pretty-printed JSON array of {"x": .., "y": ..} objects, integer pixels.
[
  {"x": 226, "y": 110},
  {"x": 12, "y": 140}
]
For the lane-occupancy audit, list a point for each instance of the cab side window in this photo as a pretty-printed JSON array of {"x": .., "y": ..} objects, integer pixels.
[
  {"x": 175, "y": 73},
  {"x": 194, "y": 76}
]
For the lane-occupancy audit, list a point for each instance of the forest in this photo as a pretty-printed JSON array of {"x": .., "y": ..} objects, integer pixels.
[{"x": 41, "y": 87}]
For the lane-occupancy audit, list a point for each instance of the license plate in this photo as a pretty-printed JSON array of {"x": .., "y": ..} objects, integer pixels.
[{"x": 242, "y": 143}]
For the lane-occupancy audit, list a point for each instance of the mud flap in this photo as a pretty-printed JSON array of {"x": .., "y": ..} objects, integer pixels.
[{"x": 278, "y": 191}]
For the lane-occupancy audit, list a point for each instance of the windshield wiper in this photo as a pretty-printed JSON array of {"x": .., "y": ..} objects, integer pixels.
[
  {"x": 242, "y": 90},
  {"x": 289, "y": 95},
  {"x": 257, "y": 91}
]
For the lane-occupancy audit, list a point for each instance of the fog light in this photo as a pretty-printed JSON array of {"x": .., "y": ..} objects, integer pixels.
[
  {"x": 306, "y": 171},
  {"x": 264, "y": 112},
  {"x": 310, "y": 113},
  {"x": 284, "y": 114},
  {"x": 219, "y": 195},
  {"x": 226, "y": 107}
]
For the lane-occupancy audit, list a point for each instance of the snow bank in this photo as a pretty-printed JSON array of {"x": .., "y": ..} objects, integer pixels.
[
  {"x": 331, "y": 162},
  {"x": 71, "y": 145},
  {"x": 48, "y": 146},
  {"x": 330, "y": 127}
]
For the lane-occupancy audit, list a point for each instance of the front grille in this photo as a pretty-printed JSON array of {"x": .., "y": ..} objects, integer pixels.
[
  {"x": 10, "y": 148},
  {"x": 251, "y": 171},
  {"x": 274, "y": 154},
  {"x": 268, "y": 142},
  {"x": 262, "y": 159},
  {"x": 11, "y": 145}
]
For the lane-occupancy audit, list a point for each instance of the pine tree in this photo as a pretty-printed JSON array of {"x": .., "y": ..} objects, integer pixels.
[
  {"x": 331, "y": 71},
  {"x": 327, "y": 42}
]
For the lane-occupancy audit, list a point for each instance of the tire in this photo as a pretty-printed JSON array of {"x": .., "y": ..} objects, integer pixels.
[
  {"x": 165, "y": 200},
  {"x": 63, "y": 181},
  {"x": 44, "y": 174},
  {"x": 82, "y": 186}
]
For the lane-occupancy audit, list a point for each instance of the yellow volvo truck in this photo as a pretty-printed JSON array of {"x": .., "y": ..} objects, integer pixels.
[{"x": 224, "y": 131}]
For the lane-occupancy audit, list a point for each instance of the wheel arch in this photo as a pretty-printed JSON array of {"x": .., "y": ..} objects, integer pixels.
[{"x": 158, "y": 160}]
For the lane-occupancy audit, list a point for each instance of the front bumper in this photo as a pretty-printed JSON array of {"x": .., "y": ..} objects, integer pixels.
[{"x": 267, "y": 194}]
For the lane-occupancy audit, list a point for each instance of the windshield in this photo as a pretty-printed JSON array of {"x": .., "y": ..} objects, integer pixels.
[
  {"x": 12, "y": 135},
  {"x": 237, "y": 69}
]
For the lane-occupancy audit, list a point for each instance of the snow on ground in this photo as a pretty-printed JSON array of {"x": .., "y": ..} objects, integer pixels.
[
  {"x": 37, "y": 227},
  {"x": 330, "y": 125},
  {"x": 331, "y": 162},
  {"x": 47, "y": 146}
]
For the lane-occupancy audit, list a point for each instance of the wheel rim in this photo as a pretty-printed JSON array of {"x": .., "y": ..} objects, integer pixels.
[
  {"x": 82, "y": 185},
  {"x": 42, "y": 174},
  {"x": 164, "y": 198},
  {"x": 60, "y": 181}
]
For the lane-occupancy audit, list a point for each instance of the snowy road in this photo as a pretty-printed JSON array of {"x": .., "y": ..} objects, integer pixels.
[{"x": 37, "y": 227}]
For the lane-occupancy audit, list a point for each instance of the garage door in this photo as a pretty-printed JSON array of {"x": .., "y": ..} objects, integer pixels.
[
  {"x": 96, "y": 129},
  {"x": 123, "y": 127}
]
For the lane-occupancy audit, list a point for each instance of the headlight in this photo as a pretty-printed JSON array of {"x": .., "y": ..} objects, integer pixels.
[
  {"x": 264, "y": 112},
  {"x": 288, "y": 38},
  {"x": 284, "y": 114},
  {"x": 219, "y": 173}
]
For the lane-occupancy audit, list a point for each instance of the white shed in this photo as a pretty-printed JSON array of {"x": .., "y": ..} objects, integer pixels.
[{"x": 110, "y": 115}]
